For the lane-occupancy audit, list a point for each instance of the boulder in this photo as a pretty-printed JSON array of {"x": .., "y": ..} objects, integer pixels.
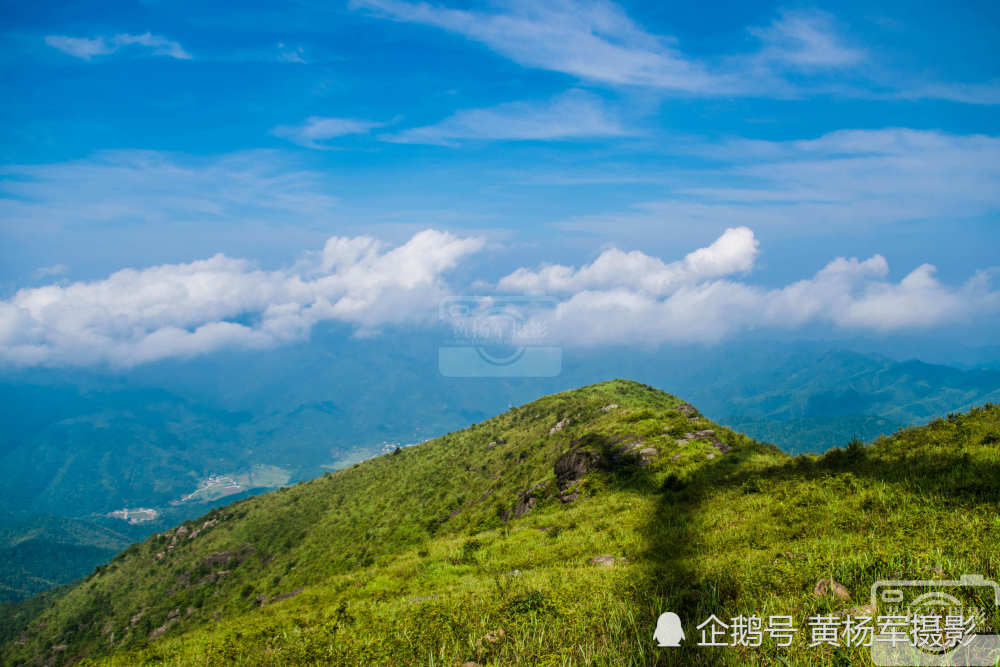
[
  {"x": 560, "y": 425},
  {"x": 648, "y": 454},
  {"x": 826, "y": 586},
  {"x": 855, "y": 612},
  {"x": 722, "y": 447},
  {"x": 573, "y": 465},
  {"x": 526, "y": 505},
  {"x": 289, "y": 594},
  {"x": 609, "y": 407},
  {"x": 606, "y": 560},
  {"x": 687, "y": 410}
]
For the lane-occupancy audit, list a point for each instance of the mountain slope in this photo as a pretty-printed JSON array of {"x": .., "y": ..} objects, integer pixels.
[
  {"x": 555, "y": 533},
  {"x": 36, "y": 553},
  {"x": 84, "y": 443}
]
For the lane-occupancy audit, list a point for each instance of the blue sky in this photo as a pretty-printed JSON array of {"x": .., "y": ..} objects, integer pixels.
[{"x": 144, "y": 134}]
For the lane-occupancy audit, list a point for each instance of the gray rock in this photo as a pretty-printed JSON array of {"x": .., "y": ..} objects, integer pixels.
[
  {"x": 826, "y": 586},
  {"x": 525, "y": 506},
  {"x": 573, "y": 465},
  {"x": 606, "y": 560},
  {"x": 560, "y": 425},
  {"x": 722, "y": 447},
  {"x": 687, "y": 410}
]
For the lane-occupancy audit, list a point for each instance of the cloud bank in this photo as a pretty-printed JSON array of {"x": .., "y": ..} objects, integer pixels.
[
  {"x": 849, "y": 294},
  {"x": 732, "y": 252},
  {"x": 181, "y": 310}
]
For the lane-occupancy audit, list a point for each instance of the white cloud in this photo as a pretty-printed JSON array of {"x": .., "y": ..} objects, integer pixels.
[
  {"x": 49, "y": 271},
  {"x": 160, "y": 46},
  {"x": 572, "y": 115},
  {"x": 180, "y": 310},
  {"x": 806, "y": 39},
  {"x": 317, "y": 129},
  {"x": 87, "y": 48},
  {"x": 153, "y": 188},
  {"x": 617, "y": 305},
  {"x": 291, "y": 54},
  {"x": 844, "y": 178},
  {"x": 593, "y": 40},
  {"x": 596, "y": 41},
  {"x": 733, "y": 252},
  {"x": 965, "y": 93},
  {"x": 80, "y": 47}
]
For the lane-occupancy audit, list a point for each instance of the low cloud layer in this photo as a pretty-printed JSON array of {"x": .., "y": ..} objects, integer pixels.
[
  {"x": 631, "y": 298},
  {"x": 733, "y": 252},
  {"x": 181, "y": 310}
]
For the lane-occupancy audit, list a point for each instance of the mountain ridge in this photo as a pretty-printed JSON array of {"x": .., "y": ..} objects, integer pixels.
[{"x": 584, "y": 513}]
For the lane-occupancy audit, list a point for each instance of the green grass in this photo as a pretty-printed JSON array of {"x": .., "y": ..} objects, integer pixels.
[{"x": 406, "y": 559}]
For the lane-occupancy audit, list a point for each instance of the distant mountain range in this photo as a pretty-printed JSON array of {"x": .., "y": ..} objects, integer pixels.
[{"x": 81, "y": 444}]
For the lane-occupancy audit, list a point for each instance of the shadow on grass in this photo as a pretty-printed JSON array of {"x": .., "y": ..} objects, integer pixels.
[{"x": 670, "y": 583}]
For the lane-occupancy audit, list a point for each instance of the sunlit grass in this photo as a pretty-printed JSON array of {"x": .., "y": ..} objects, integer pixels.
[{"x": 405, "y": 559}]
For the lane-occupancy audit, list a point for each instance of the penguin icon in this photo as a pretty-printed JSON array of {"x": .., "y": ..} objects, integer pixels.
[{"x": 668, "y": 630}]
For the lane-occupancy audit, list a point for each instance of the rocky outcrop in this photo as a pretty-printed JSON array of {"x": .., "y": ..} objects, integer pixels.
[
  {"x": 573, "y": 465},
  {"x": 607, "y": 560},
  {"x": 827, "y": 586},
  {"x": 560, "y": 425},
  {"x": 289, "y": 594},
  {"x": 230, "y": 556},
  {"x": 529, "y": 499},
  {"x": 707, "y": 434},
  {"x": 526, "y": 505},
  {"x": 687, "y": 410}
]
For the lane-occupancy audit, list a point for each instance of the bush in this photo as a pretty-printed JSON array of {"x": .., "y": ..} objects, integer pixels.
[{"x": 531, "y": 601}]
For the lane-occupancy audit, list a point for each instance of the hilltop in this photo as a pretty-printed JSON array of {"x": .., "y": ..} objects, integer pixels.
[
  {"x": 78, "y": 447},
  {"x": 554, "y": 533}
]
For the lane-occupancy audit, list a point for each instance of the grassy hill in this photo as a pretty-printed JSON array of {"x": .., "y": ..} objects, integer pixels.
[
  {"x": 555, "y": 533},
  {"x": 76, "y": 445}
]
